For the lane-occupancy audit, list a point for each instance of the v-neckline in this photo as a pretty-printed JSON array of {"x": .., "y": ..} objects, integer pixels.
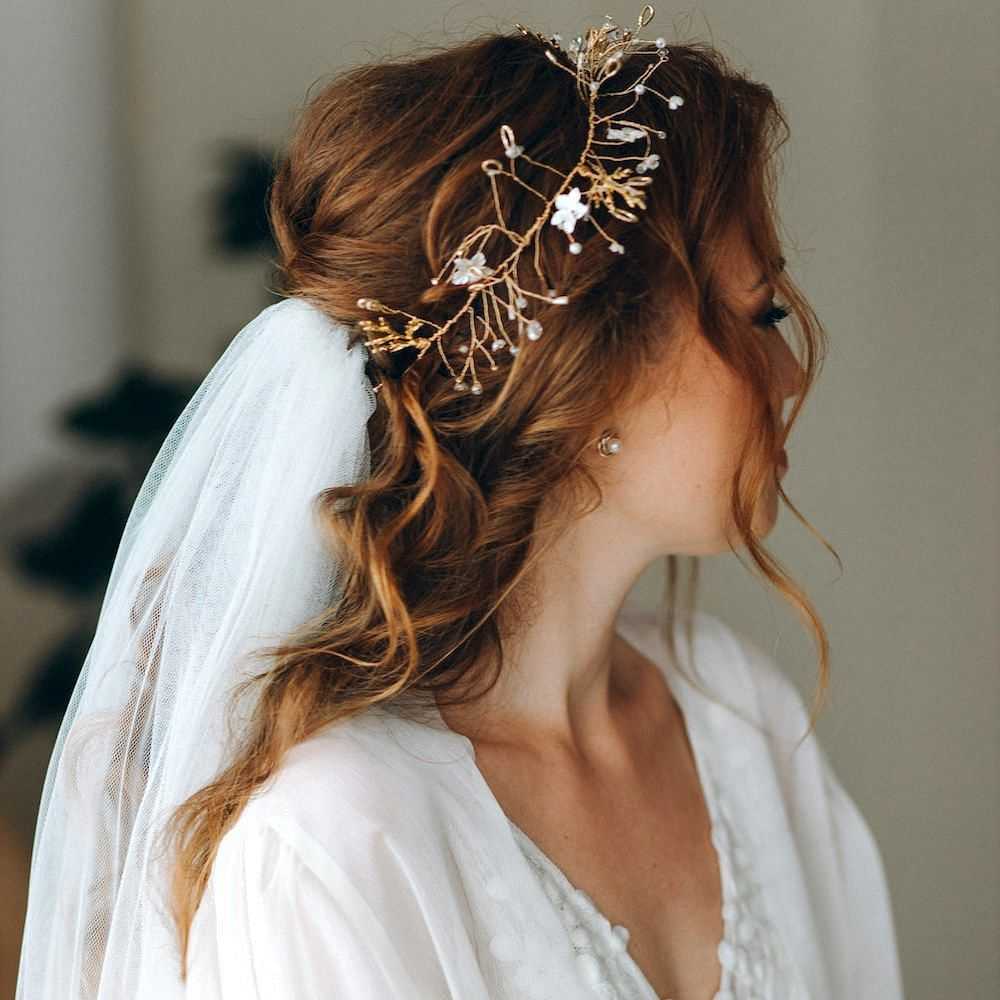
[{"x": 657, "y": 657}]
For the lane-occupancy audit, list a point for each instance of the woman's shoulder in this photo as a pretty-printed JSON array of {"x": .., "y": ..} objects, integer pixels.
[{"x": 368, "y": 773}]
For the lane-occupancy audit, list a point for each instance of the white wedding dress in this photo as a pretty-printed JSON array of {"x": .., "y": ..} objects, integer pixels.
[{"x": 378, "y": 864}]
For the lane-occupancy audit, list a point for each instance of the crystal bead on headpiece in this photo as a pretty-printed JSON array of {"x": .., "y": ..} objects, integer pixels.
[{"x": 595, "y": 58}]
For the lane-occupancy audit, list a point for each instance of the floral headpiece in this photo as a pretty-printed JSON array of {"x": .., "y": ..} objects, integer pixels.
[{"x": 596, "y": 58}]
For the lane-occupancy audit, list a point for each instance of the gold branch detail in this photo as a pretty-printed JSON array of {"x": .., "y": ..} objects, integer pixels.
[{"x": 597, "y": 181}]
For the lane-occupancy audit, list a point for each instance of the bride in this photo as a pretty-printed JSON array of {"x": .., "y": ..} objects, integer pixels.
[{"x": 367, "y": 714}]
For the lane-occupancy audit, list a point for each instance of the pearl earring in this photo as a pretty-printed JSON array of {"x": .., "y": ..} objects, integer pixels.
[{"x": 609, "y": 444}]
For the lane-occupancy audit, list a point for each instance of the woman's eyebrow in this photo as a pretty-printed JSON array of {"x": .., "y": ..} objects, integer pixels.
[{"x": 779, "y": 266}]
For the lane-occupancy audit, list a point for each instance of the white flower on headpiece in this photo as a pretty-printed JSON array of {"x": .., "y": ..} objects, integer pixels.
[
  {"x": 470, "y": 269},
  {"x": 627, "y": 132},
  {"x": 569, "y": 208},
  {"x": 650, "y": 162}
]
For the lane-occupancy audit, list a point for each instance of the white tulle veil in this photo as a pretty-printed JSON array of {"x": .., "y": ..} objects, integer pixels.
[{"x": 222, "y": 554}]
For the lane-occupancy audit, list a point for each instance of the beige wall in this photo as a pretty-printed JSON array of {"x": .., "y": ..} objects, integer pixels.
[
  {"x": 890, "y": 204},
  {"x": 62, "y": 225}
]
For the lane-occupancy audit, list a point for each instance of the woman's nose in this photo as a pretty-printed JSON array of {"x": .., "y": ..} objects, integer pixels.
[{"x": 790, "y": 374}]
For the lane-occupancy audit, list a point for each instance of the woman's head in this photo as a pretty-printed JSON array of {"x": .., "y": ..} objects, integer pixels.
[
  {"x": 380, "y": 182},
  {"x": 383, "y": 180},
  {"x": 681, "y": 441}
]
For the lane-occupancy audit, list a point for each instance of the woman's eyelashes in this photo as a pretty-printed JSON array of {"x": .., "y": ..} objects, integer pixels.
[{"x": 773, "y": 315}]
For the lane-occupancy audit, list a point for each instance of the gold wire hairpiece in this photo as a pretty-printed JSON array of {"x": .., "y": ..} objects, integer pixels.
[{"x": 596, "y": 57}]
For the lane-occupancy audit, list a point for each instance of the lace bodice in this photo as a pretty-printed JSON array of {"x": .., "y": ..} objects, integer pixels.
[{"x": 748, "y": 948}]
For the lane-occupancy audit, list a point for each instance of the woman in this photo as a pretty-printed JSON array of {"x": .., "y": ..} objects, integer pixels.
[{"x": 466, "y": 770}]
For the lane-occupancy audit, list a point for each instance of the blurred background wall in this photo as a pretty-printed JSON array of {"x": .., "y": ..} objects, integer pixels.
[{"x": 129, "y": 132}]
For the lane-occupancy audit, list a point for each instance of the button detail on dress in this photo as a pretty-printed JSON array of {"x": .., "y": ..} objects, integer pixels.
[
  {"x": 726, "y": 956},
  {"x": 618, "y": 939}
]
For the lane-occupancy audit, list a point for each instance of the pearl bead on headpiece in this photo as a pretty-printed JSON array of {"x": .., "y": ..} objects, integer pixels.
[{"x": 595, "y": 57}]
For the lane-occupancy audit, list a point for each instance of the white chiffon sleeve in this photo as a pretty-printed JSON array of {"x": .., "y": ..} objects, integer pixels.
[
  {"x": 282, "y": 919},
  {"x": 874, "y": 957},
  {"x": 844, "y": 856}
]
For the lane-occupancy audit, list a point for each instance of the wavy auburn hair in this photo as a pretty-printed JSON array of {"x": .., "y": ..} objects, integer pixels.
[{"x": 379, "y": 184}]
